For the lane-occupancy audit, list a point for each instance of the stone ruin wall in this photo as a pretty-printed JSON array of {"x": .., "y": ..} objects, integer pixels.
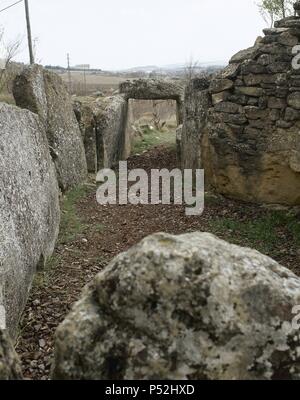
[
  {"x": 243, "y": 125},
  {"x": 183, "y": 307}
]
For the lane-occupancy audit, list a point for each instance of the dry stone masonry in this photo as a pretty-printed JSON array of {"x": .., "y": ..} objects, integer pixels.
[
  {"x": 44, "y": 93},
  {"x": 190, "y": 306},
  {"x": 84, "y": 111},
  {"x": 29, "y": 207},
  {"x": 103, "y": 126},
  {"x": 111, "y": 128},
  {"x": 197, "y": 103},
  {"x": 246, "y": 128}
]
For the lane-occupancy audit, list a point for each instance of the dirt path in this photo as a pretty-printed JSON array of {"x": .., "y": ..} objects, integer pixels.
[{"x": 92, "y": 235}]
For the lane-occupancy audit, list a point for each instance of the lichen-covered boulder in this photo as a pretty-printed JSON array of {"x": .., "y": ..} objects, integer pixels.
[
  {"x": 10, "y": 367},
  {"x": 196, "y": 105},
  {"x": 29, "y": 208},
  {"x": 190, "y": 306},
  {"x": 44, "y": 93},
  {"x": 85, "y": 113},
  {"x": 103, "y": 126},
  {"x": 178, "y": 144},
  {"x": 110, "y": 117}
]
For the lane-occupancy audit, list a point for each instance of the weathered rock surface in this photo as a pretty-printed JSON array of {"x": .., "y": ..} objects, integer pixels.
[
  {"x": 111, "y": 117},
  {"x": 191, "y": 306},
  {"x": 10, "y": 367},
  {"x": 29, "y": 206},
  {"x": 197, "y": 102},
  {"x": 178, "y": 144},
  {"x": 248, "y": 143},
  {"x": 44, "y": 93},
  {"x": 103, "y": 124},
  {"x": 85, "y": 113},
  {"x": 155, "y": 89}
]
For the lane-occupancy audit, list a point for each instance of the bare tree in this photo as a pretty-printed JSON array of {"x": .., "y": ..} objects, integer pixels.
[
  {"x": 156, "y": 120},
  {"x": 190, "y": 70},
  {"x": 35, "y": 50},
  {"x": 270, "y": 10},
  {"x": 9, "y": 50}
]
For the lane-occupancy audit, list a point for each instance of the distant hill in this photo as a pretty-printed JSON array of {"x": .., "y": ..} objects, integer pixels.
[{"x": 173, "y": 67}]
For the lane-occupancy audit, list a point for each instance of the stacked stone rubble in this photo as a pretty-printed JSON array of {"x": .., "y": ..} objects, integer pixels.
[
  {"x": 249, "y": 143},
  {"x": 254, "y": 124},
  {"x": 84, "y": 111},
  {"x": 198, "y": 100}
]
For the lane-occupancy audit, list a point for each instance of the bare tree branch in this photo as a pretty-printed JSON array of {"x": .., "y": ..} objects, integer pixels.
[
  {"x": 270, "y": 10},
  {"x": 9, "y": 50},
  {"x": 191, "y": 70}
]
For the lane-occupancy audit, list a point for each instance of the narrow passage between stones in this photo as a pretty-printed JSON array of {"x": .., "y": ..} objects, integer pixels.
[{"x": 91, "y": 235}]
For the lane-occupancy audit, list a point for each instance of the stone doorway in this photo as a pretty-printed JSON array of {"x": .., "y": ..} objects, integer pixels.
[{"x": 151, "y": 122}]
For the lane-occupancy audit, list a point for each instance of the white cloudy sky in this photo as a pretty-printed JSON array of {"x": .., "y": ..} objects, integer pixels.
[{"x": 115, "y": 34}]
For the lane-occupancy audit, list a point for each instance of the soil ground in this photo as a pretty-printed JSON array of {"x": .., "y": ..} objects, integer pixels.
[{"x": 91, "y": 235}]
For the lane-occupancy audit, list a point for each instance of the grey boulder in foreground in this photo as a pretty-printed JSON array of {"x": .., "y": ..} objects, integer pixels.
[{"x": 177, "y": 307}]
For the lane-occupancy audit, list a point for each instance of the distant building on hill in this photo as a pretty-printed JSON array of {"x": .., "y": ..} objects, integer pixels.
[{"x": 82, "y": 67}]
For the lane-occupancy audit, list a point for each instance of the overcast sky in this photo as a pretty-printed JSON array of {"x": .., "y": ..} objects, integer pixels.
[{"x": 117, "y": 34}]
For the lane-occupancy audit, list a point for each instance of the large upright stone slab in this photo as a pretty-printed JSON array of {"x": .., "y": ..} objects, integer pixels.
[
  {"x": 185, "y": 307},
  {"x": 29, "y": 208},
  {"x": 111, "y": 118},
  {"x": 44, "y": 93}
]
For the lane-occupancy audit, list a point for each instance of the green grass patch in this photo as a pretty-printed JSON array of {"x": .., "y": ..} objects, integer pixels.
[
  {"x": 152, "y": 138},
  {"x": 43, "y": 276},
  {"x": 72, "y": 224},
  {"x": 7, "y": 98},
  {"x": 264, "y": 233},
  {"x": 99, "y": 228},
  {"x": 71, "y": 227},
  {"x": 212, "y": 199}
]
